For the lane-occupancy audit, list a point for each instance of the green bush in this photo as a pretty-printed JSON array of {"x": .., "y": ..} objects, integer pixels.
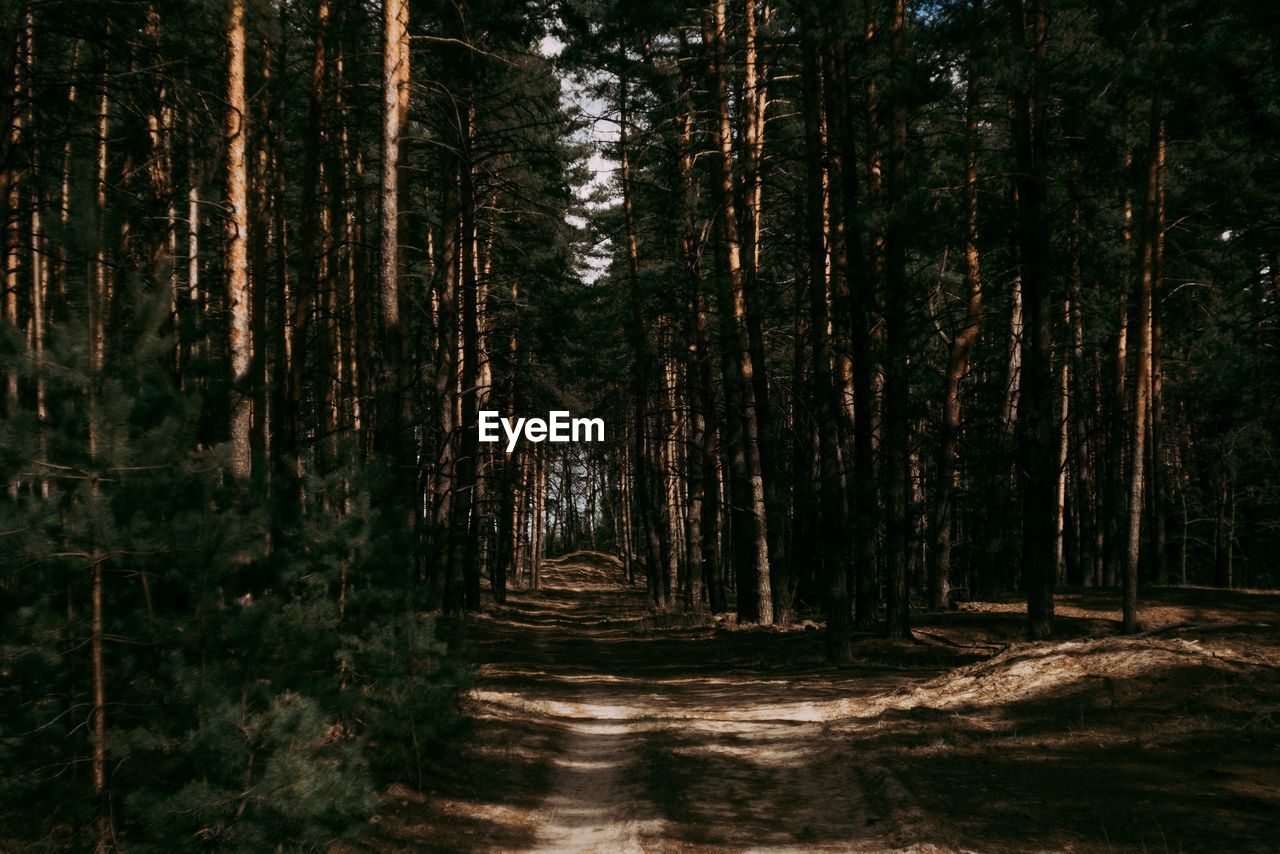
[{"x": 247, "y": 709}]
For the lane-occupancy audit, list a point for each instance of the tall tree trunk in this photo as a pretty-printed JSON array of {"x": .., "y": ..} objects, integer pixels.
[
  {"x": 624, "y": 514},
  {"x": 754, "y": 541},
  {"x": 278, "y": 422},
  {"x": 701, "y": 459},
  {"x": 39, "y": 272},
  {"x": 539, "y": 517},
  {"x": 1142, "y": 349},
  {"x": 670, "y": 467},
  {"x": 467, "y": 483},
  {"x": 754, "y": 106},
  {"x": 957, "y": 363},
  {"x": 1158, "y": 472},
  {"x": 833, "y": 524},
  {"x": 98, "y": 298},
  {"x": 1117, "y": 434},
  {"x": 1036, "y": 436},
  {"x": 11, "y": 79},
  {"x": 1086, "y": 504},
  {"x": 261, "y": 233},
  {"x": 641, "y": 352},
  {"x": 309, "y": 241},
  {"x": 239, "y": 295},
  {"x": 395, "y": 109},
  {"x": 854, "y": 285},
  {"x": 896, "y": 465},
  {"x": 1062, "y": 411}
]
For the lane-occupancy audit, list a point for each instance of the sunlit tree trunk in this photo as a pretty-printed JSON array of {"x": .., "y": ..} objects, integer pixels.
[
  {"x": 239, "y": 295},
  {"x": 39, "y": 270},
  {"x": 194, "y": 296},
  {"x": 754, "y": 104},
  {"x": 395, "y": 108},
  {"x": 1142, "y": 352},
  {"x": 1158, "y": 469},
  {"x": 11, "y": 131},
  {"x": 1062, "y": 412},
  {"x": 735, "y": 337}
]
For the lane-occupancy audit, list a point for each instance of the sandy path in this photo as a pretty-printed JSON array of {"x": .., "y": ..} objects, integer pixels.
[
  {"x": 666, "y": 741},
  {"x": 600, "y": 727},
  {"x": 591, "y": 807}
]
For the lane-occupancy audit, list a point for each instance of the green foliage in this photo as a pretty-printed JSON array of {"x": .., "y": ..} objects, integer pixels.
[
  {"x": 245, "y": 710},
  {"x": 285, "y": 775},
  {"x": 403, "y": 690}
]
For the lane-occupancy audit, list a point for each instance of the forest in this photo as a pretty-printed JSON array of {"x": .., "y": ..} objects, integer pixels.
[{"x": 937, "y": 349}]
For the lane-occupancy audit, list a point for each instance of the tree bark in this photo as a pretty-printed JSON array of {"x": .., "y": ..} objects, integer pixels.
[
  {"x": 1142, "y": 348},
  {"x": 307, "y": 283},
  {"x": 395, "y": 108},
  {"x": 948, "y": 480},
  {"x": 833, "y": 524},
  {"x": 752, "y": 546},
  {"x": 641, "y": 352},
  {"x": 239, "y": 295},
  {"x": 895, "y": 463},
  {"x": 1036, "y": 434}
]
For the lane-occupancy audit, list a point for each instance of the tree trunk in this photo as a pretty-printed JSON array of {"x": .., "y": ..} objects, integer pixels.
[
  {"x": 260, "y": 436},
  {"x": 239, "y": 295},
  {"x": 1088, "y": 571},
  {"x": 670, "y": 467},
  {"x": 395, "y": 108},
  {"x": 641, "y": 352},
  {"x": 948, "y": 481},
  {"x": 98, "y": 298},
  {"x": 752, "y": 545},
  {"x": 539, "y": 517},
  {"x": 1117, "y": 436},
  {"x": 11, "y": 79},
  {"x": 1142, "y": 352},
  {"x": 896, "y": 465},
  {"x": 833, "y": 523},
  {"x": 754, "y": 105},
  {"x": 1159, "y": 533},
  {"x": 1063, "y": 415},
  {"x": 701, "y": 518},
  {"x": 309, "y": 251},
  {"x": 1036, "y": 434}
]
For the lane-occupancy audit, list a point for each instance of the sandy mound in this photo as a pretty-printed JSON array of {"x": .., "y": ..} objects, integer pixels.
[{"x": 1030, "y": 671}]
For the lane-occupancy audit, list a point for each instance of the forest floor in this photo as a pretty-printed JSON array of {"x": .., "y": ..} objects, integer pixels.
[{"x": 598, "y": 726}]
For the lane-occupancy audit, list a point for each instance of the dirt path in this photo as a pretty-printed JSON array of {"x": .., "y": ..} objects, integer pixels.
[
  {"x": 669, "y": 737},
  {"x": 602, "y": 728}
]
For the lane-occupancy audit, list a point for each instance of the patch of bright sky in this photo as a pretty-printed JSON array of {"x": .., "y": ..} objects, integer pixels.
[{"x": 600, "y": 128}]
